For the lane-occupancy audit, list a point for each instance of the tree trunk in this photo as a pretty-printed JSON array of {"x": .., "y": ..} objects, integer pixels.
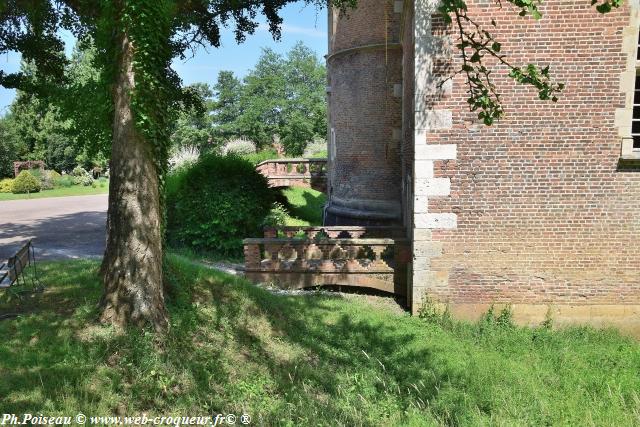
[{"x": 132, "y": 264}]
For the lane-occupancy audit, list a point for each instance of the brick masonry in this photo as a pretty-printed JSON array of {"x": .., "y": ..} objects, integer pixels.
[
  {"x": 536, "y": 211},
  {"x": 365, "y": 123}
]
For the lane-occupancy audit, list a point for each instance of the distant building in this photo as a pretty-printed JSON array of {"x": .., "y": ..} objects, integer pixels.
[{"x": 541, "y": 210}]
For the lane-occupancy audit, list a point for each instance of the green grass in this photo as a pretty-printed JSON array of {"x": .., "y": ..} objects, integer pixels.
[
  {"x": 305, "y": 206},
  {"x": 305, "y": 360},
  {"x": 323, "y": 154},
  {"x": 74, "y": 190}
]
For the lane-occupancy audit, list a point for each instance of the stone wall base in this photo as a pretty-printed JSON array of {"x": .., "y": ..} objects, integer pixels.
[{"x": 625, "y": 318}]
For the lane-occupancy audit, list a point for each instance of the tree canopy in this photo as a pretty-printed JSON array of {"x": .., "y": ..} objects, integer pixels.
[{"x": 282, "y": 96}]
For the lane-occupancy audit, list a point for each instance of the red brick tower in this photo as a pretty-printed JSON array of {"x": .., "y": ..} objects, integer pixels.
[{"x": 365, "y": 115}]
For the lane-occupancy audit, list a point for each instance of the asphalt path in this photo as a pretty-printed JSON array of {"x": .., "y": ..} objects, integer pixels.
[{"x": 60, "y": 227}]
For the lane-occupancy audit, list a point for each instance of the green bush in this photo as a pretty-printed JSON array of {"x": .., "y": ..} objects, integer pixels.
[
  {"x": 216, "y": 203},
  {"x": 81, "y": 177},
  {"x": 64, "y": 181},
  {"x": 6, "y": 185},
  {"x": 277, "y": 217},
  {"x": 47, "y": 179},
  {"x": 79, "y": 171},
  {"x": 25, "y": 182}
]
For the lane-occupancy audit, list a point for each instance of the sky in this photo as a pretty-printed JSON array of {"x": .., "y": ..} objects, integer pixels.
[{"x": 301, "y": 23}]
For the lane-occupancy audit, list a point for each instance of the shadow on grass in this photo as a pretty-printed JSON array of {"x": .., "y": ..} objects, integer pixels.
[
  {"x": 310, "y": 359},
  {"x": 305, "y": 204}
]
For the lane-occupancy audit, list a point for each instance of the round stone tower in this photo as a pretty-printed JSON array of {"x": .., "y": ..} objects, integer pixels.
[{"x": 364, "y": 68}]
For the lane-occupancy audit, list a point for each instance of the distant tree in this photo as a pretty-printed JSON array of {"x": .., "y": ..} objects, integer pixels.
[
  {"x": 296, "y": 131},
  {"x": 66, "y": 124},
  {"x": 85, "y": 100},
  {"x": 284, "y": 96},
  {"x": 262, "y": 100},
  {"x": 12, "y": 147},
  {"x": 226, "y": 107},
  {"x": 306, "y": 78},
  {"x": 40, "y": 127},
  {"x": 193, "y": 125}
]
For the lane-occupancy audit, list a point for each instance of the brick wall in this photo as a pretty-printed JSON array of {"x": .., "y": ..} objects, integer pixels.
[
  {"x": 546, "y": 216},
  {"x": 365, "y": 71}
]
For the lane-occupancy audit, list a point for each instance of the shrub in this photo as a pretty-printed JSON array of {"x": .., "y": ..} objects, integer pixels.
[
  {"x": 6, "y": 185},
  {"x": 102, "y": 182},
  {"x": 53, "y": 175},
  {"x": 25, "y": 182},
  {"x": 239, "y": 146},
  {"x": 185, "y": 156},
  {"x": 46, "y": 184},
  {"x": 277, "y": 217},
  {"x": 79, "y": 171},
  {"x": 86, "y": 180},
  {"x": 48, "y": 179},
  {"x": 64, "y": 181},
  {"x": 81, "y": 177},
  {"x": 216, "y": 203}
]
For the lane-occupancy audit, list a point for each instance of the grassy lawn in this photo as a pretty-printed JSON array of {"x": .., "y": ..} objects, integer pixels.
[
  {"x": 313, "y": 359},
  {"x": 305, "y": 206},
  {"x": 74, "y": 190}
]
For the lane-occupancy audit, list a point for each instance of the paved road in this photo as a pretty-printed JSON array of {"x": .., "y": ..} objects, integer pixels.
[{"x": 61, "y": 227}]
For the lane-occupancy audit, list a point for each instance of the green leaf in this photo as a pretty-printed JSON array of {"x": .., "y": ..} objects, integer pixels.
[{"x": 495, "y": 47}]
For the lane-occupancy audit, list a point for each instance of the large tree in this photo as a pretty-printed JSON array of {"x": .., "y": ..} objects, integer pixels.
[{"x": 135, "y": 43}]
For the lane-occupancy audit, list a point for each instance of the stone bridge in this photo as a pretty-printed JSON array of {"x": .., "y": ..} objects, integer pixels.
[
  {"x": 307, "y": 173},
  {"x": 303, "y": 257}
]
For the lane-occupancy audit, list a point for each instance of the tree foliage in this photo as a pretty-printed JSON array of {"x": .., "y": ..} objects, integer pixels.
[
  {"x": 64, "y": 125},
  {"x": 193, "y": 125},
  {"x": 12, "y": 147},
  {"x": 282, "y": 96},
  {"x": 226, "y": 108}
]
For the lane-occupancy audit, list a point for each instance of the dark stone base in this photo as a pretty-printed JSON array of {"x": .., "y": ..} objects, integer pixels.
[{"x": 341, "y": 216}]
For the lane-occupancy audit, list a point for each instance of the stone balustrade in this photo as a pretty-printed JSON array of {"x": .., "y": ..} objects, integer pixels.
[
  {"x": 308, "y": 173},
  {"x": 295, "y": 263}
]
